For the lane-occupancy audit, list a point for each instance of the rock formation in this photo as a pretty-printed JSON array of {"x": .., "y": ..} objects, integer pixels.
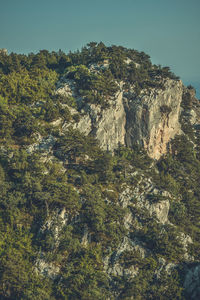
[
  {"x": 150, "y": 119},
  {"x": 153, "y": 118}
]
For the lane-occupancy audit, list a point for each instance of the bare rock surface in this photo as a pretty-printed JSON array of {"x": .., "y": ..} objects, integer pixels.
[
  {"x": 150, "y": 119},
  {"x": 153, "y": 118}
]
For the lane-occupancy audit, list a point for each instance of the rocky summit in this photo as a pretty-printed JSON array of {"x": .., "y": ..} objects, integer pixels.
[{"x": 99, "y": 177}]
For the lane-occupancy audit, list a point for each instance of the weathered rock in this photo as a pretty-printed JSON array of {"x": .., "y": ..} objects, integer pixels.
[
  {"x": 54, "y": 225},
  {"x": 66, "y": 88},
  {"x": 43, "y": 144},
  {"x": 159, "y": 209},
  {"x": 150, "y": 119},
  {"x": 86, "y": 236},
  {"x": 153, "y": 118},
  {"x": 164, "y": 266},
  {"x": 111, "y": 126},
  {"x": 4, "y": 51},
  {"x": 125, "y": 197},
  {"x": 84, "y": 125},
  {"x": 138, "y": 196},
  {"x": 112, "y": 264},
  {"x": 186, "y": 240},
  {"x": 107, "y": 125},
  {"x": 47, "y": 269}
]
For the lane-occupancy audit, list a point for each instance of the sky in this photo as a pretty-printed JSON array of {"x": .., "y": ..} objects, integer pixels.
[{"x": 167, "y": 30}]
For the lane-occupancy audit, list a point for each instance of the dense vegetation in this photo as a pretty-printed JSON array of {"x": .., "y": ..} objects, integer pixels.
[{"x": 78, "y": 178}]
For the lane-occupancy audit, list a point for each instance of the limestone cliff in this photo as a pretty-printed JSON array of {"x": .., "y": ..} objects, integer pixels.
[
  {"x": 150, "y": 119},
  {"x": 107, "y": 125},
  {"x": 153, "y": 118}
]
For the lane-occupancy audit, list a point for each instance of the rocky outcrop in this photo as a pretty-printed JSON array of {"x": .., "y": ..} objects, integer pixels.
[
  {"x": 142, "y": 195},
  {"x": 150, "y": 119},
  {"x": 45, "y": 268},
  {"x": 52, "y": 227},
  {"x": 153, "y": 117},
  {"x": 159, "y": 209},
  {"x": 43, "y": 144},
  {"x": 112, "y": 264},
  {"x": 107, "y": 125},
  {"x": 4, "y": 51}
]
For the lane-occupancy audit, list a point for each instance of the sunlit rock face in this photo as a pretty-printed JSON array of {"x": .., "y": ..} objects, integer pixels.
[
  {"x": 150, "y": 119},
  {"x": 107, "y": 125},
  {"x": 153, "y": 118}
]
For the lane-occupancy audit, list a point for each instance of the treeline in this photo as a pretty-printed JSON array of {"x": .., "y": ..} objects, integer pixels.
[{"x": 130, "y": 66}]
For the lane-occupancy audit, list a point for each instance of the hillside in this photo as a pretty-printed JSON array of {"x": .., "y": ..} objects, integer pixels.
[{"x": 99, "y": 177}]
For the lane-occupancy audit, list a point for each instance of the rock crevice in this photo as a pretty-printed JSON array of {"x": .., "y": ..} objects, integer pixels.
[
  {"x": 153, "y": 118},
  {"x": 150, "y": 119}
]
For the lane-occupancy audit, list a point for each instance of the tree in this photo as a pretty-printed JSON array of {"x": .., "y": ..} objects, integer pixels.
[{"x": 18, "y": 279}]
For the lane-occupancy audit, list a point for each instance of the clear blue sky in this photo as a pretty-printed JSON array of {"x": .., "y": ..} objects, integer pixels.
[{"x": 167, "y": 30}]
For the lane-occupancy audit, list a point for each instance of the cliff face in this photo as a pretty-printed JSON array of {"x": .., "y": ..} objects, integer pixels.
[
  {"x": 150, "y": 119},
  {"x": 107, "y": 125},
  {"x": 153, "y": 118}
]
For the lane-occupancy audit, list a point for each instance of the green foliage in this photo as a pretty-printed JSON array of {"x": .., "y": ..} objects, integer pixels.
[
  {"x": 94, "y": 88},
  {"x": 132, "y": 258},
  {"x": 164, "y": 241},
  {"x": 83, "y": 276},
  {"x": 6, "y": 121},
  {"x": 135, "y": 156},
  {"x": 27, "y": 87},
  {"x": 187, "y": 100},
  {"x": 180, "y": 175},
  {"x": 165, "y": 109},
  {"x": 18, "y": 279},
  {"x": 74, "y": 144},
  {"x": 146, "y": 286},
  {"x": 102, "y": 218},
  {"x": 63, "y": 205}
]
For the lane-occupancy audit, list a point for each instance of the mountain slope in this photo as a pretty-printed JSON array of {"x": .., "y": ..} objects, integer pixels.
[{"x": 99, "y": 177}]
